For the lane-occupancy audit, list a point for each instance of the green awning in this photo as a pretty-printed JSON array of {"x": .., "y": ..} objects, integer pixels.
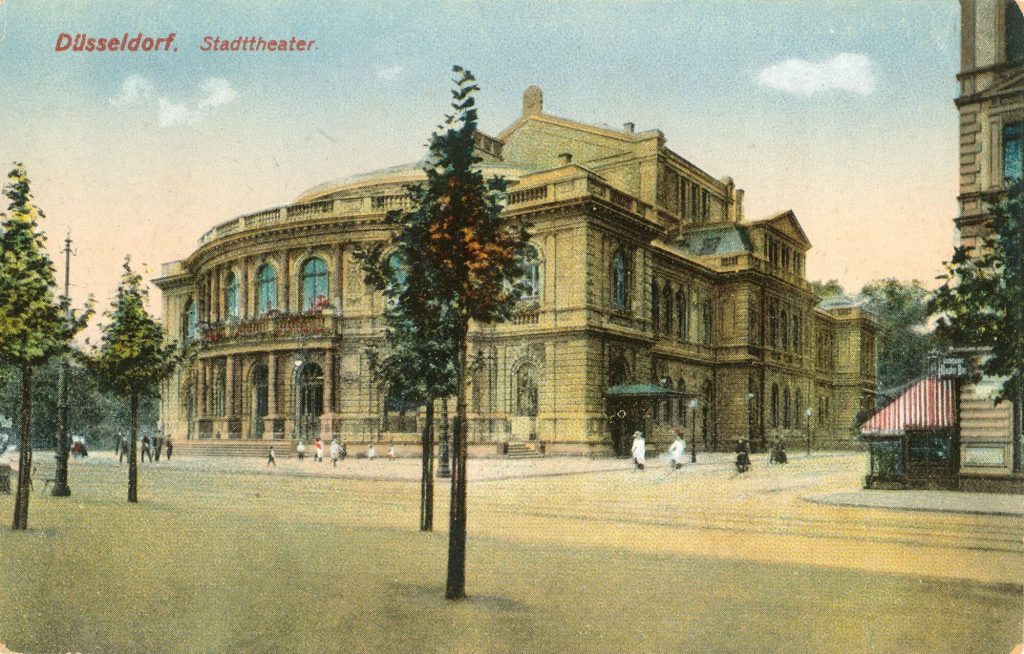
[{"x": 642, "y": 390}]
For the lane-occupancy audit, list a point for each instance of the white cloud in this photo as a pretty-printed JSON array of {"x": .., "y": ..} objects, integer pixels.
[
  {"x": 133, "y": 89},
  {"x": 844, "y": 72},
  {"x": 213, "y": 92},
  {"x": 390, "y": 72}
]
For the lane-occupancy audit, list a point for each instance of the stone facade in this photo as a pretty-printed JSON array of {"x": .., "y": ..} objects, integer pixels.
[
  {"x": 991, "y": 106},
  {"x": 644, "y": 270}
]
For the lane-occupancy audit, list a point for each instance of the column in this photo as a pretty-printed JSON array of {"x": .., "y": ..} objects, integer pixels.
[
  {"x": 201, "y": 390},
  {"x": 285, "y": 284},
  {"x": 243, "y": 299},
  {"x": 229, "y": 386},
  {"x": 329, "y": 382},
  {"x": 221, "y": 309},
  {"x": 272, "y": 385},
  {"x": 338, "y": 279}
]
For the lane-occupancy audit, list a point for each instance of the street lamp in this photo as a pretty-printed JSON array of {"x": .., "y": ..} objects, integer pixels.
[
  {"x": 693, "y": 430},
  {"x": 750, "y": 418},
  {"x": 807, "y": 414}
]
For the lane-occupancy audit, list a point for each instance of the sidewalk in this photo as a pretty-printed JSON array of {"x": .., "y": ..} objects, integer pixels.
[{"x": 937, "y": 501}]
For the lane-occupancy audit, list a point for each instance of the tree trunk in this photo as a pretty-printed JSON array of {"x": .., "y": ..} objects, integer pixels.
[
  {"x": 133, "y": 446},
  {"x": 25, "y": 454},
  {"x": 427, "y": 477},
  {"x": 457, "y": 510},
  {"x": 60, "y": 477},
  {"x": 443, "y": 452}
]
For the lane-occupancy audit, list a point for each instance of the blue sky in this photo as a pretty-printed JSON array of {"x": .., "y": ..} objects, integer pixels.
[{"x": 854, "y": 127}]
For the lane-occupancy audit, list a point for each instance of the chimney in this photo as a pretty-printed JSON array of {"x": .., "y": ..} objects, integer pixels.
[
  {"x": 533, "y": 101},
  {"x": 565, "y": 158},
  {"x": 628, "y": 127}
]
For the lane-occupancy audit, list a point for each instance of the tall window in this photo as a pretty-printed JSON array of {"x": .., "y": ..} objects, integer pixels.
[
  {"x": 681, "y": 311},
  {"x": 400, "y": 273},
  {"x": 1013, "y": 152},
  {"x": 666, "y": 301},
  {"x": 681, "y": 402},
  {"x": 708, "y": 321},
  {"x": 231, "y": 296},
  {"x": 620, "y": 280},
  {"x": 529, "y": 283},
  {"x": 798, "y": 408},
  {"x": 189, "y": 321},
  {"x": 785, "y": 408},
  {"x": 266, "y": 293},
  {"x": 796, "y": 332},
  {"x": 314, "y": 283},
  {"x": 654, "y": 307},
  {"x": 775, "y": 405},
  {"x": 1014, "y": 33},
  {"x": 784, "y": 319}
]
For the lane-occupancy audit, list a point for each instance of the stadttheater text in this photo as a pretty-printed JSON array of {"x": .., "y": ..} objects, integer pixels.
[{"x": 255, "y": 44}]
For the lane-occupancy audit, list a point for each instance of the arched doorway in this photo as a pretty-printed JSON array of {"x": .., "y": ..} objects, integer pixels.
[
  {"x": 624, "y": 416},
  {"x": 525, "y": 400},
  {"x": 260, "y": 393},
  {"x": 309, "y": 400}
]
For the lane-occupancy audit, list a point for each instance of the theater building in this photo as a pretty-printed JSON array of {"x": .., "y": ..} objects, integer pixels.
[{"x": 643, "y": 272}]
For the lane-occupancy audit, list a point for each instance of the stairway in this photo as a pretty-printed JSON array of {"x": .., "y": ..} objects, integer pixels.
[
  {"x": 521, "y": 450},
  {"x": 250, "y": 448}
]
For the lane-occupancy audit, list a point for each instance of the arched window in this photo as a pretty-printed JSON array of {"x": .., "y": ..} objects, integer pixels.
[
  {"x": 796, "y": 332},
  {"x": 617, "y": 372},
  {"x": 399, "y": 277},
  {"x": 655, "y": 306},
  {"x": 666, "y": 300},
  {"x": 784, "y": 319},
  {"x": 620, "y": 280},
  {"x": 529, "y": 283},
  {"x": 798, "y": 410},
  {"x": 773, "y": 327},
  {"x": 682, "y": 324},
  {"x": 314, "y": 284},
  {"x": 785, "y": 408},
  {"x": 260, "y": 395},
  {"x": 266, "y": 289},
  {"x": 708, "y": 321},
  {"x": 189, "y": 321},
  {"x": 775, "y": 405},
  {"x": 309, "y": 399},
  {"x": 231, "y": 296}
]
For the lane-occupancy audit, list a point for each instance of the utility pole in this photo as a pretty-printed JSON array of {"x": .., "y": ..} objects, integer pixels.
[{"x": 60, "y": 485}]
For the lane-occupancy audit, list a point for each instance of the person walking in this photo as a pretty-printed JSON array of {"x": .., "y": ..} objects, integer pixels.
[
  {"x": 170, "y": 447},
  {"x": 742, "y": 456},
  {"x": 122, "y": 449},
  {"x": 335, "y": 452},
  {"x": 344, "y": 451},
  {"x": 371, "y": 452},
  {"x": 318, "y": 450},
  {"x": 677, "y": 451},
  {"x": 391, "y": 453},
  {"x": 300, "y": 450},
  {"x": 639, "y": 450},
  {"x": 271, "y": 460}
]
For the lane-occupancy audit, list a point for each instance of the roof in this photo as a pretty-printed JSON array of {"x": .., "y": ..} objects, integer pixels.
[
  {"x": 641, "y": 390},
  {"x": 716, "y": 241},
  {"x": 928, "y": 404}
]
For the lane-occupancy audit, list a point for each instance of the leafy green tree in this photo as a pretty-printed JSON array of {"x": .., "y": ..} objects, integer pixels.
[
  {"x": 461, "y": 258},
  {"x": 825, "y": 290},
  {"x": 132, "y": 358},
  {"x": 34, "y": 324},
  {"x": 981, "y": 302},
  {"x": 904, "y": 338}
]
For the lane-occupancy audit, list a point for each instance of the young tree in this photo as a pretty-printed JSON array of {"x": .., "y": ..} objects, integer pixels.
[
  {"x": 461, "y": 261},
  {"x": 132, "y": 358},
  {"x": 981, "y": 302},
  {"x": 34, "y": 325}
]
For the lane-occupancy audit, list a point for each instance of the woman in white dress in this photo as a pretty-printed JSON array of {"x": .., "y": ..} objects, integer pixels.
[{"x": 639, "y": 450}]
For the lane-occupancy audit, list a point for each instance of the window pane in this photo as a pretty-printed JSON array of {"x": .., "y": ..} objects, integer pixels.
[
  {"x": 1012, "y": 154},
  {"x": 1014, "y": 33}
]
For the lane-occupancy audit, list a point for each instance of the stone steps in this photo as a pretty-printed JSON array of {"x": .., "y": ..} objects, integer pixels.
[
  {"x": 252, "y": 448},
  {"x": 518, "y": 450}
]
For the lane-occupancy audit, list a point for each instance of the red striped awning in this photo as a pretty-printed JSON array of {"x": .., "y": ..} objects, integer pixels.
[{"x": 929, "y": 403}]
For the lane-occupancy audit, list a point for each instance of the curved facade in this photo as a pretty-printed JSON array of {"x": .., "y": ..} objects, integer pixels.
[{"x": 643, "y": 271}]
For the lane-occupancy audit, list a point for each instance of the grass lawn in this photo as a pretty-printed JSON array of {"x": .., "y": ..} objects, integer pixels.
[{"x": 260, "y": 563}]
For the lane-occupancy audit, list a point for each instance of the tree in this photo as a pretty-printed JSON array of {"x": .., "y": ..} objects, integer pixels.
[
  {"x": 462, "y": 261},
  {"x": 132, "y": 358},
  {"x": 34, "y": 325},
  {"x": 825, "y": 290},
  {"x": 904, "y": 339},
  {"x": 981, "y": 302}
]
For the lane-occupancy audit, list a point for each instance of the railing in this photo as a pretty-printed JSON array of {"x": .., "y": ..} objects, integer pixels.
[
  {"x": 322, "y": 324},
  {"x": 390, "y": 202},
  {"x": 528, "y": 195},
  {"x": 526, "y": 317}
]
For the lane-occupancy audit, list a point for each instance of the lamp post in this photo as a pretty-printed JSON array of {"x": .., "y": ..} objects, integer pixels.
[
  {"x": 808, "y": 413},
  {"x": 693, "y": 430},
  {"x": 750, "y": 418},
  {"x": 60, "y": 486}
]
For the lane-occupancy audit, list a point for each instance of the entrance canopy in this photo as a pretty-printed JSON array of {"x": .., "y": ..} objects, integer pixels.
[
  {"x": 928, "y": 404},
  {"x": 642, "y": 391}
]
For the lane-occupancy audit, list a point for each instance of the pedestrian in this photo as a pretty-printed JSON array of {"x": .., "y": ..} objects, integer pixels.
[
  {"x": 300, "y": 449},
  {"x": 159, "y": 445},
  {"x": 344, "y": 451},
  {"x": 122, "y": 448},
  {"x": 170, "y": 447},
  {"x": 742, "y": 456},
  {"x": 677, "y": 451},
  {"x": 318, "y": 450},
  {"x": 270, "y": 457},
  {"x": 145, "y": 450},
  {"x": 371, "y": 452},
  {"x": 335, "y": 452},
  {"x": 639, "y": 450},
  {"x": 391, "y": 453}
]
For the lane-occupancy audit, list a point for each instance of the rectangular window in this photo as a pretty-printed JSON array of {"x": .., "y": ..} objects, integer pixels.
[
  {"x": 1014, "y": 33},
  {"x": 1013, "y": 155}
]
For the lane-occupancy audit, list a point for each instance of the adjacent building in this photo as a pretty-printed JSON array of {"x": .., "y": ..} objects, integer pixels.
[{"x": 643, "y": 272}]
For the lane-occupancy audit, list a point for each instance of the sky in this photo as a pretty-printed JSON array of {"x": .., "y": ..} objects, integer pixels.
[{"x": 842, "y": 111}]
